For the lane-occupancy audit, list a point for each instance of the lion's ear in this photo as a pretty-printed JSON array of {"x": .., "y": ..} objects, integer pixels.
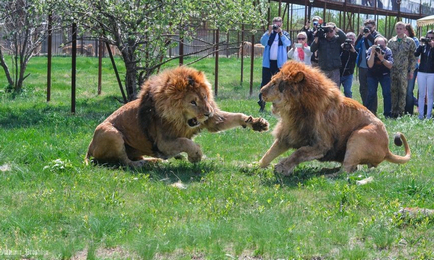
[{"x": 298, "y": 77}]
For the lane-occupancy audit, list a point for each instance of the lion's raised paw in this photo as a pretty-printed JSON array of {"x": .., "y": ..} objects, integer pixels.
[{"x": 258, "y": 124}]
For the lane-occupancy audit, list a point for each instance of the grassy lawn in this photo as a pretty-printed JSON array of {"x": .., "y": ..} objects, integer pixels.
[{"x": 55, "y": 207}]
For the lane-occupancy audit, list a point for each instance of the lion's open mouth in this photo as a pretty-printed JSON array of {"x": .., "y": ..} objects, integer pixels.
[{"x": 193, "y": 122}]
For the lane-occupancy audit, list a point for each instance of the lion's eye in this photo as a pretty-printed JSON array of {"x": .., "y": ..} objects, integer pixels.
[{"x": 193, "y": 103}]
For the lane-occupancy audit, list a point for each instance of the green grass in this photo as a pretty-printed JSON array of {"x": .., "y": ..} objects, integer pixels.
[{"x": 53, "y": 206}]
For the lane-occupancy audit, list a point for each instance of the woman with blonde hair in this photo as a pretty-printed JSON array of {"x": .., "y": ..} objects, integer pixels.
[{"x": 300, "y": 50}]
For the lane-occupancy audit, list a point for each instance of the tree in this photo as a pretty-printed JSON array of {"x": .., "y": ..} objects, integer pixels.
[
  {"x": 23, "y": 30},
  {"x": 144, "y": 30}
]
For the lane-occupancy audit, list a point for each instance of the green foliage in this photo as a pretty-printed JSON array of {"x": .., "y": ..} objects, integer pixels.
[{"x": 227, "y": 207}]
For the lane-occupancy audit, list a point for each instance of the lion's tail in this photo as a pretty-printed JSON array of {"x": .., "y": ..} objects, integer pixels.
[
  {"x": 399, "y": 139},
  {"x": 88, "y": 155}
]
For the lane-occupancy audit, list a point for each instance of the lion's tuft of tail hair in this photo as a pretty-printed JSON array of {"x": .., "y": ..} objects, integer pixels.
[{"x": 399, "y": 140}]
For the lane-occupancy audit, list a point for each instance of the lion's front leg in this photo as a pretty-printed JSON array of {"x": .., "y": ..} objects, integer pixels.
[
  {"x": 176, "y": 146},
  {"x": 275, "y": 150},
  {"x": 225, "y": 120},
  {"x": 303, "y": 154}
]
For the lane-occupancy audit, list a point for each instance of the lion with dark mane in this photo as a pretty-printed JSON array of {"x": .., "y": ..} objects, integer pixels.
[
  {"x": 321, "y": 124},
  {"x": 173, "y": 107}
]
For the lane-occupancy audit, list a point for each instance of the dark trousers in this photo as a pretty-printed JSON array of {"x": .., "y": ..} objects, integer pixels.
[
  {"x": 363, "y": 80},
  {"x": 409, "y": 101},
  {"x": 267, "y": 73},
  {"x": 372, "y": 94}
]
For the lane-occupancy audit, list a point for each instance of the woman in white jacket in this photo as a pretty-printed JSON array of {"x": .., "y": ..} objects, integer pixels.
[{"x": 300, "y": 50}]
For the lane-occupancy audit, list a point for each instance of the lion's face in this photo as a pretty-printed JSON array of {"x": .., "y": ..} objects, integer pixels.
[
  {"x": 197, "y": 108},
  {"x": 271, "y": 92},
  {"x": 282, "y": 85}
]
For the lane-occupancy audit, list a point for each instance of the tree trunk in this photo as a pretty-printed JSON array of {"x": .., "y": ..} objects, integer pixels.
[
  {"x": 6, "y": 69},
  {"x": 131, "y": 71},
  {"x": 131, "y": 80}
]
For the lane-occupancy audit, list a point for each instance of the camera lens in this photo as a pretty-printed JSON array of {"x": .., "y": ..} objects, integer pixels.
[
  {"x": 366, "y": 30},
  {"x": 275, "y": 27}
]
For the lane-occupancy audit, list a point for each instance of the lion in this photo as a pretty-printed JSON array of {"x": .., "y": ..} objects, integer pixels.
[
  {"x": 173, "y": 107},
  {"x": 320, "y": 123}
]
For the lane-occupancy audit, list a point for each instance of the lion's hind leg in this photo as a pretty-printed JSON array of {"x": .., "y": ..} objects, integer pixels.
[
  {"x": 108, "y": 146},
  {"x": 368, "y": 145}
]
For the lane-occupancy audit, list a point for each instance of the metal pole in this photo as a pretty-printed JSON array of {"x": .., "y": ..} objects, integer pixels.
[
  {"x": 242, "y": 53},
  {"x": 49, "y": 54},
  {"x": 181, "y": 51},
  {"x": 74, "y": 66},
  {"x": 216, "y": 79},
  {"x": 252, "y": 62},
  {"x": 100, "y": 47}
]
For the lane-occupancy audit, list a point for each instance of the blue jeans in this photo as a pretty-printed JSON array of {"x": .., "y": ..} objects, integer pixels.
[
  {"x": 409, "y": 100},
  {"x": 347, "y": 82},
  {"x": 384, "y": 80}
]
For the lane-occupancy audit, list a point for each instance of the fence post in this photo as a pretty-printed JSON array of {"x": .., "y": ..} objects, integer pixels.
[
  {"x": 252, "y": 62},
  {"x": 242, "y": 54},
  {"x": 100, "y": 48},
  {"x": 216, "y": 80},
  {"x": 181, "y": 50},
  {"x": 74, "y": 66},
  {"x": 49, "y": 54}
]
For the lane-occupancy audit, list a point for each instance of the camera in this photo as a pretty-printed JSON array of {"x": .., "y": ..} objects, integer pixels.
[
  {"x": 366, "y": 30},
  {"x": 379, "y": 50},
  {"x": 275, "y": 27},
  {"x": 315, "y": 23},
  {"x": 425, "y": 40},
  {"x": 347, "y": 45},
  {"x": 321, "y": 31}
]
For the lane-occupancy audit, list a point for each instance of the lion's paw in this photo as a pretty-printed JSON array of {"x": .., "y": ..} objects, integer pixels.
[
  {"x": 258, "y": 124},
  {"x": 195, "y": 157},
  {"x": 282, "y": 170}
]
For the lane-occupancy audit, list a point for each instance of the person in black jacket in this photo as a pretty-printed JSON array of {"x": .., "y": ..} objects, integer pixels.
[
  {"x": 425, "y": 76},
  {"x": 328, "y": 44},
  {"x": 364, "y": 41},
  {"x": 348, "y": 62}
]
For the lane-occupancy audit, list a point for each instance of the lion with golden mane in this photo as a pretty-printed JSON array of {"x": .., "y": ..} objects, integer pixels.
[
  {"x": 173, "y": 107},
  {"x": 321, "y": 124}
]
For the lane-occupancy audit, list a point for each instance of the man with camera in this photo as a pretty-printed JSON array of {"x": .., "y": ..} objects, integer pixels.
[
  {"x": 380, "y": 61},
  {"x": 403, "y": 49},
  {"x": 275, "y": 41},
  {"x": 425, "y": 76},
  {"x": 348, "y": 62},
  {"x": 327, "y": 42},
  {"x": 316, "y": 22},
  {"x": 364, "y": 41}
]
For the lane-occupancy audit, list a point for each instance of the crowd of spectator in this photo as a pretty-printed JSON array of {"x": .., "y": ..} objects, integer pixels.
[{"x": 391, "y": 63}]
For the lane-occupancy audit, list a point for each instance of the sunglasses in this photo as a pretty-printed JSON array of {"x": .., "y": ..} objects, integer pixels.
[{"x": 301, "y": 38}]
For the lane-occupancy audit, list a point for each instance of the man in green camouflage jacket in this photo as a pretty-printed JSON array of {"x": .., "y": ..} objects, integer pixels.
[{"x": 403, "y": 49}]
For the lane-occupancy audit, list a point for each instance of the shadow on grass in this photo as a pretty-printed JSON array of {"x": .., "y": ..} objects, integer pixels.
[
  {"x": 301, "y": 175},
  {"x": 46, "y": 114},
  {"x": 170, "y": 171}
]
